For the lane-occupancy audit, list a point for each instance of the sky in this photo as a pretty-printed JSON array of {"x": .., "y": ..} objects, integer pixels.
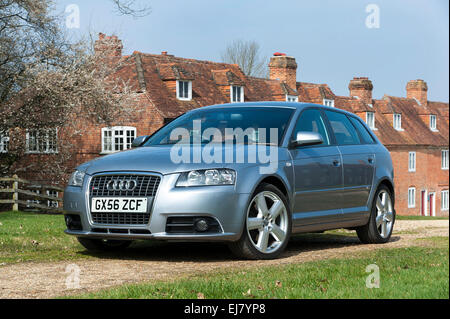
[{"x": 330, "y": 39}]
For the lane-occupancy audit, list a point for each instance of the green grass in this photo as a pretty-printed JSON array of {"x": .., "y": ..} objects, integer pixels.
[
  {"x": 35, "y": 237},
  {"x": 40, "y": 237},
  {"x": 436, "y": 241},
  {"x": 414, "y": 272},
  {"x": 404, "y": 217}
]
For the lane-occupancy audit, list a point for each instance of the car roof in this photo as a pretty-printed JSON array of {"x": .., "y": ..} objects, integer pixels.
[{"x": 275, "y": 104}]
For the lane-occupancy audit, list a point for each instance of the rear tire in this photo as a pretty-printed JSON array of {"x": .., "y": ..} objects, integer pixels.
[
  {"x": 267, "y": 226},
  {"x": 381, "y": 221},
  {"x": 103, "y": 244}
]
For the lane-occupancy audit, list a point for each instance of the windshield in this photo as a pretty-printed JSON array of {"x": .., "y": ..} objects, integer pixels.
[{"x": 238, "y": 125}]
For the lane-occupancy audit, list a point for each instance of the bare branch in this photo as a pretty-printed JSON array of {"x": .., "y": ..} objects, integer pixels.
[
  {"x": 130, "y": 7},
  {"x": 247, "y": 55}
]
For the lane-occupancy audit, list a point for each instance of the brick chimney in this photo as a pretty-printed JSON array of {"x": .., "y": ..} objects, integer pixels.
[
  {"x": 109, "y": 46},
  {"x": 283, "y": 68},
  {"x": 362, "y": 88},
  {"x": 417, "y": 89}
]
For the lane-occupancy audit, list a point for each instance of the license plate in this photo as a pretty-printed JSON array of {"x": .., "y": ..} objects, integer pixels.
[{"x": 119, "y": 205}]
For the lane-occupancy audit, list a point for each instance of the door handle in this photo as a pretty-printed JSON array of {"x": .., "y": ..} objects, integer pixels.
[
  {"x": 370, "y": 160},
  {"x": 336, "y": 163}
]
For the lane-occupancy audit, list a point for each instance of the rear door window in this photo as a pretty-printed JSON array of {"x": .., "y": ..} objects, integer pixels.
[{"x": 344, "y": 131}]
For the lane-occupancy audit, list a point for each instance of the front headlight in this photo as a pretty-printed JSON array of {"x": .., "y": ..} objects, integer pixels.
[
  {"x": 219, "y": 176},
  {"x": 76, "y": 179}
]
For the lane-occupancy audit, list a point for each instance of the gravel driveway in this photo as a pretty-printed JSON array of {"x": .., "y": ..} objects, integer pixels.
[{"x": 172, "y": 260}]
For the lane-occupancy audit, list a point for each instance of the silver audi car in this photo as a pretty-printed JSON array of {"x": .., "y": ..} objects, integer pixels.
[{"x": 249, "y": 174}]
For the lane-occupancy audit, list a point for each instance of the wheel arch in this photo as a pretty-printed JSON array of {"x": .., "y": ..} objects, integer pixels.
[
  {"x": 274, "y": 180},
  {"x": 279, "y": 183},
  {"x": 390, "y": 185}
]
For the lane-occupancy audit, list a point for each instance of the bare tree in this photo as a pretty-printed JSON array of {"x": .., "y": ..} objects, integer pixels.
[{"x": 247, "y": 55}]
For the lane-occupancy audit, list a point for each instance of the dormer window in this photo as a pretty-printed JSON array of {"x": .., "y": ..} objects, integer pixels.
[
  {"x": 433, "y": 125},
  {"x": 184, "y": 90},
  {"x": 291, "y": 98},
  {"x": 328, "y": 102},
  {"x": 398, "y": 122},
  {"x": 237, "y": 94},
  {"x": 370, "y": 120}
]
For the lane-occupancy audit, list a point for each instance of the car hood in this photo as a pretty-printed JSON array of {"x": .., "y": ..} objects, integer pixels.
[{"x": 158, "y": 159}]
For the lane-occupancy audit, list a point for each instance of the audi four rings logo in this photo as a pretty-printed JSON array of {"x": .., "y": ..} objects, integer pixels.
[{"x": 122, "y": 185}]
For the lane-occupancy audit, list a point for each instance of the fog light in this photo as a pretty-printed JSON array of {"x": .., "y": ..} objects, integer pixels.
[
  {"x": 73, "y": 222},
  {"x": 201, "y": 225},
  {"x": 68, "y": 221}
]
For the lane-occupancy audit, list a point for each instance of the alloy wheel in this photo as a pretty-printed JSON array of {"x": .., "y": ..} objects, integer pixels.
[
  {"x": 385, "y": 216},
  {"x": 267, "y": 222}
]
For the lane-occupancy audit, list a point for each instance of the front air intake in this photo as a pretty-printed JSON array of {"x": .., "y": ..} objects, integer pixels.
[{"x": 190, "y": 225}]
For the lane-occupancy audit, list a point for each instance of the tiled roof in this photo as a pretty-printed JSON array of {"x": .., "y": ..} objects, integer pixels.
[
  {"x": 415, "y": 131},
  {"x": 152, "y": 73}
]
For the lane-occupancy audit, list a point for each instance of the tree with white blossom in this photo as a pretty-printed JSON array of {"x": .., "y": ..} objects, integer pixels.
[{"x": 48, "y": 82}]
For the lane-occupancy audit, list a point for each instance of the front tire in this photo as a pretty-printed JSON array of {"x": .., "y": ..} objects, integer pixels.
[
  {"x": 267, "y": 226},
  {"x": 381, "y": 221},
  {"x": 103, "y": 244}
]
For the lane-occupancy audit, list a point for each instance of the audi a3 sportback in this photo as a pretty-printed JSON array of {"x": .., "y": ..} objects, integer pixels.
[{"x": 250, "y": 174}]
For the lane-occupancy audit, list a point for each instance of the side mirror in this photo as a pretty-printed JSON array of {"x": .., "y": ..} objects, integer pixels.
[
  {"x": 307, "y": 139},
  {"x": 139, "y": 141}
]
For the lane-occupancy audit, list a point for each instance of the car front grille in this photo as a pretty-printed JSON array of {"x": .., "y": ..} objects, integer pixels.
[
  {"x": 147, "y": 185},
  {"x": 121, "y": 218}
]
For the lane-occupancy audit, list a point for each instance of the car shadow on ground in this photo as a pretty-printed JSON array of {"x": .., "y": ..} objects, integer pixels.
[
  {"x": 219, "y": 252},
  {"x": 319, "y": 242}
]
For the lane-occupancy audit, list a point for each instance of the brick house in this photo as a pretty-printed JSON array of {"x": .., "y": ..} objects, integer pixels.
[{"x": 415, "y": 130}]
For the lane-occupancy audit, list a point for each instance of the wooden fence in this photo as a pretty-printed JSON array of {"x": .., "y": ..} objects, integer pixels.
[{"x": 18, "y": 186}]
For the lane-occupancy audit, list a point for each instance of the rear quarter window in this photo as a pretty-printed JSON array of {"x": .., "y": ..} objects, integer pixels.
[
  {"x": 344, "y": 131},
  {"x": 362, "y": 130}
]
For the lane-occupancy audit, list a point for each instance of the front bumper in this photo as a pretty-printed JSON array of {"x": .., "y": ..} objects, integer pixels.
[
  {"x": 220, "y": 202},
  {"x": 159, "y": 236}
]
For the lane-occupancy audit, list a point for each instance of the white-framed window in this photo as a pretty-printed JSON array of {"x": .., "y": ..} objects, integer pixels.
[
  {"x": 398, "y": 122},
  {"x": 42, "y": 141},
  {"x": 51, "y": 203},
  {"x": 4, "y": 142},
  {"x": 370, "y": 120},
  {"x": 291, "y": 98},
  {"x": 411, "y": 197},
  {"x": 444, "y": 200},
  {"x": 33, "y": 201},
  {"x": 412, "y": 162},
  {"x": 117, "y": 138},
  {"x": 237, "y": 93},
  {"x": 184, "y": 90},
  {"x": 328, "y": 102},
  {"x": 433, "y": 124},
  {"x": 444, "y": 159}
]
